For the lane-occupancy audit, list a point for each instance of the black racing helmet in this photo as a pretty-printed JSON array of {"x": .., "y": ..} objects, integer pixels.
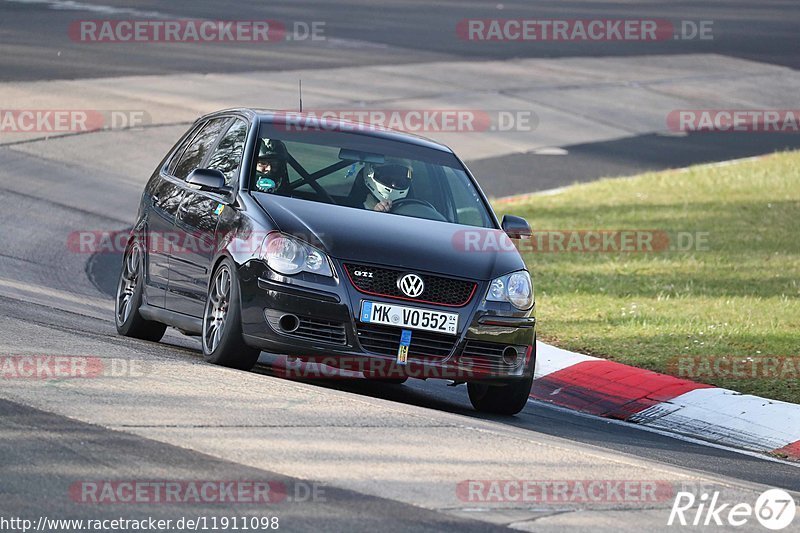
[
  {"x": 272, "y": 149},
  {"x": 274, "y": 153}
]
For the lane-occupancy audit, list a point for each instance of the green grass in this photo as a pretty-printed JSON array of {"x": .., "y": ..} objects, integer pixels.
[{"x": 738, "y": 295}]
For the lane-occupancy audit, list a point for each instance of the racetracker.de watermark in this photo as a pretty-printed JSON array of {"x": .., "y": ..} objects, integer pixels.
[
  {"x": 408, "y": 120},
  {"x": 422, "y": 367},
  {"x": 194, "y": 491},
  {"x": 69, "y": 120},
  {"x": 194, "y": 31},
  {"x": 478, "y": 240},
  {"x": 734, "y": 120},
  {"x": 583, "y": 30},
  {"x": 700, "y": 367},
  {"x": 170, "y": 242},
  {"x": 43, "y": 367},
  {"x": 565, "y": 492}
]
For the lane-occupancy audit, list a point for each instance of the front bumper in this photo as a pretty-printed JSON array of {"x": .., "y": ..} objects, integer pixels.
[{"x": 493, "y": 342}]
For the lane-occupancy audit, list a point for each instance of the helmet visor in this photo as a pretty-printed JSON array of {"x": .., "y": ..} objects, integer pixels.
[{"x": 397, "y": 177}]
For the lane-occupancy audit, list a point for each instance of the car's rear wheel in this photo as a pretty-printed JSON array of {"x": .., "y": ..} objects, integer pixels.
[
  {"x": 129, "y": 298},
  {"x": 222, "y": 322},
  {"x": 507, "y": 399}
]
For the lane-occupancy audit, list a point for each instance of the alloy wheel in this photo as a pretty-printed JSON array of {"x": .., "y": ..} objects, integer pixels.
[
  {"x": 127, "y": 283},
  {"x": 217, "y": 309}
]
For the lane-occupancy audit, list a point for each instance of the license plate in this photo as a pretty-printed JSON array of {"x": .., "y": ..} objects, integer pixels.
[{"x": 409, "y": 317}]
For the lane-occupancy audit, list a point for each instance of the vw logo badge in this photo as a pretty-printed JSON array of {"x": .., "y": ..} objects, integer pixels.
[{"x": 411, "y": 285}]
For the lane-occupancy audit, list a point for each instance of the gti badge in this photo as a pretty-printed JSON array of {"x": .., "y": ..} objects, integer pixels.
[{"x": 411, "y": 285}]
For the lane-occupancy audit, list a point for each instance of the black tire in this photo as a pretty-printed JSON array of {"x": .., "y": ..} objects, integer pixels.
[
  {"x": 508, "y": 399},
  {"x": 127, "y": 318},
  {"x": 222, "y": 321}
]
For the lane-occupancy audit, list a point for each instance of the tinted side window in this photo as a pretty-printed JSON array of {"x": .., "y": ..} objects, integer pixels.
[
  {"x": 227, "y": 158},
  {"x": 201, "y": 144},
  {"x": 176, "y": 157}
]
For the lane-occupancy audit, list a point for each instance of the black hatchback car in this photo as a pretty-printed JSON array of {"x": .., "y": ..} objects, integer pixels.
[{"x": 375, "y": 249}]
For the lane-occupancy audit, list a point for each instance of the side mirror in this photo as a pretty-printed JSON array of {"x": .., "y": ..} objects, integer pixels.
[
  {"x": 516, "y": 227},
  {"x": 209, "y": 180}
]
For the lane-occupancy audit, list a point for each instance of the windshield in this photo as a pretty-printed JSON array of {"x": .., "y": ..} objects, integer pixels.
[{"x": 363, "y": 172}]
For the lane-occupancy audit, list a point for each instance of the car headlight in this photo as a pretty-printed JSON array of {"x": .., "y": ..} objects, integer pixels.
[
  {"x": 287, "y": 255},
  {"x": 515, "y": 288}
]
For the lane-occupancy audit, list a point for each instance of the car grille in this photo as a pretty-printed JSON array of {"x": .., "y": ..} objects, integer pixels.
[
  {"x": 485, "y": 356},
  {"x": 438, "y": 290},
  {"x": 385, "y": 340},
  {"x": 320, "y": 330}
]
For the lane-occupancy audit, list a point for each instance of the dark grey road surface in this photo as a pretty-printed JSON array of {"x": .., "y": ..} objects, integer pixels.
[
  {"x": 521, "y": 173},
  {"x": 44, "y": 456},
  {"x": 542, "y": 418},
  {"x": 38, "y": 47}
]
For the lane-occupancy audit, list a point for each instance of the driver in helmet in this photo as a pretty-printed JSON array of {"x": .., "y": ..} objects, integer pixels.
[
  {"x": 386, "y": 184},
  {"x": 271, "y": 171}
]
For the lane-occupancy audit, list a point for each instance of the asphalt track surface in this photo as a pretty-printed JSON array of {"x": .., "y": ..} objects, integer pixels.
[
  {"x": 65, "y": 446},
  {"x": 54, "y": 434},
  {"x": 400, "y": 31}
]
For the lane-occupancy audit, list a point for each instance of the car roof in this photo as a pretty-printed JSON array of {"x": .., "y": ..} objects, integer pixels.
[{"x": 272, "y": 116}]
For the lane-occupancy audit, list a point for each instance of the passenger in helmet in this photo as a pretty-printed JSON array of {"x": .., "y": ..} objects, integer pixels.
[
  {"x": 386, "y": 184},
  {"x": 271, "y": 171}
]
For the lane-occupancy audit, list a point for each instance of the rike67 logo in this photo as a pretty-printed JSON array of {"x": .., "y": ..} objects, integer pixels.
[{"x": 774, "y": 509}]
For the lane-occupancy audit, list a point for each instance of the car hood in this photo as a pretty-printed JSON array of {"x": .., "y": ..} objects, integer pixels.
[{"x": 360, "y": 235}]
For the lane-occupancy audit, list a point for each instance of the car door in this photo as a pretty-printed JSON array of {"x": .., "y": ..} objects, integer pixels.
[
  {"x": 196, "y": 222},
  {"x": 163, "y": 196}
]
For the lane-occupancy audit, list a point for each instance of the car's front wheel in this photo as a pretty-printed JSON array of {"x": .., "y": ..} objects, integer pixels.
[
  {"x": 222, "y": 322},
  {"x": 506, "y": 399},
  {"x": 129, "y": 298}
]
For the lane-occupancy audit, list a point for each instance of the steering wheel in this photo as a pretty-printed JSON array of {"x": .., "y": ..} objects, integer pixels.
[
  {"x": 410, "y": 201},
  {"x": 430, "y": 212}
]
